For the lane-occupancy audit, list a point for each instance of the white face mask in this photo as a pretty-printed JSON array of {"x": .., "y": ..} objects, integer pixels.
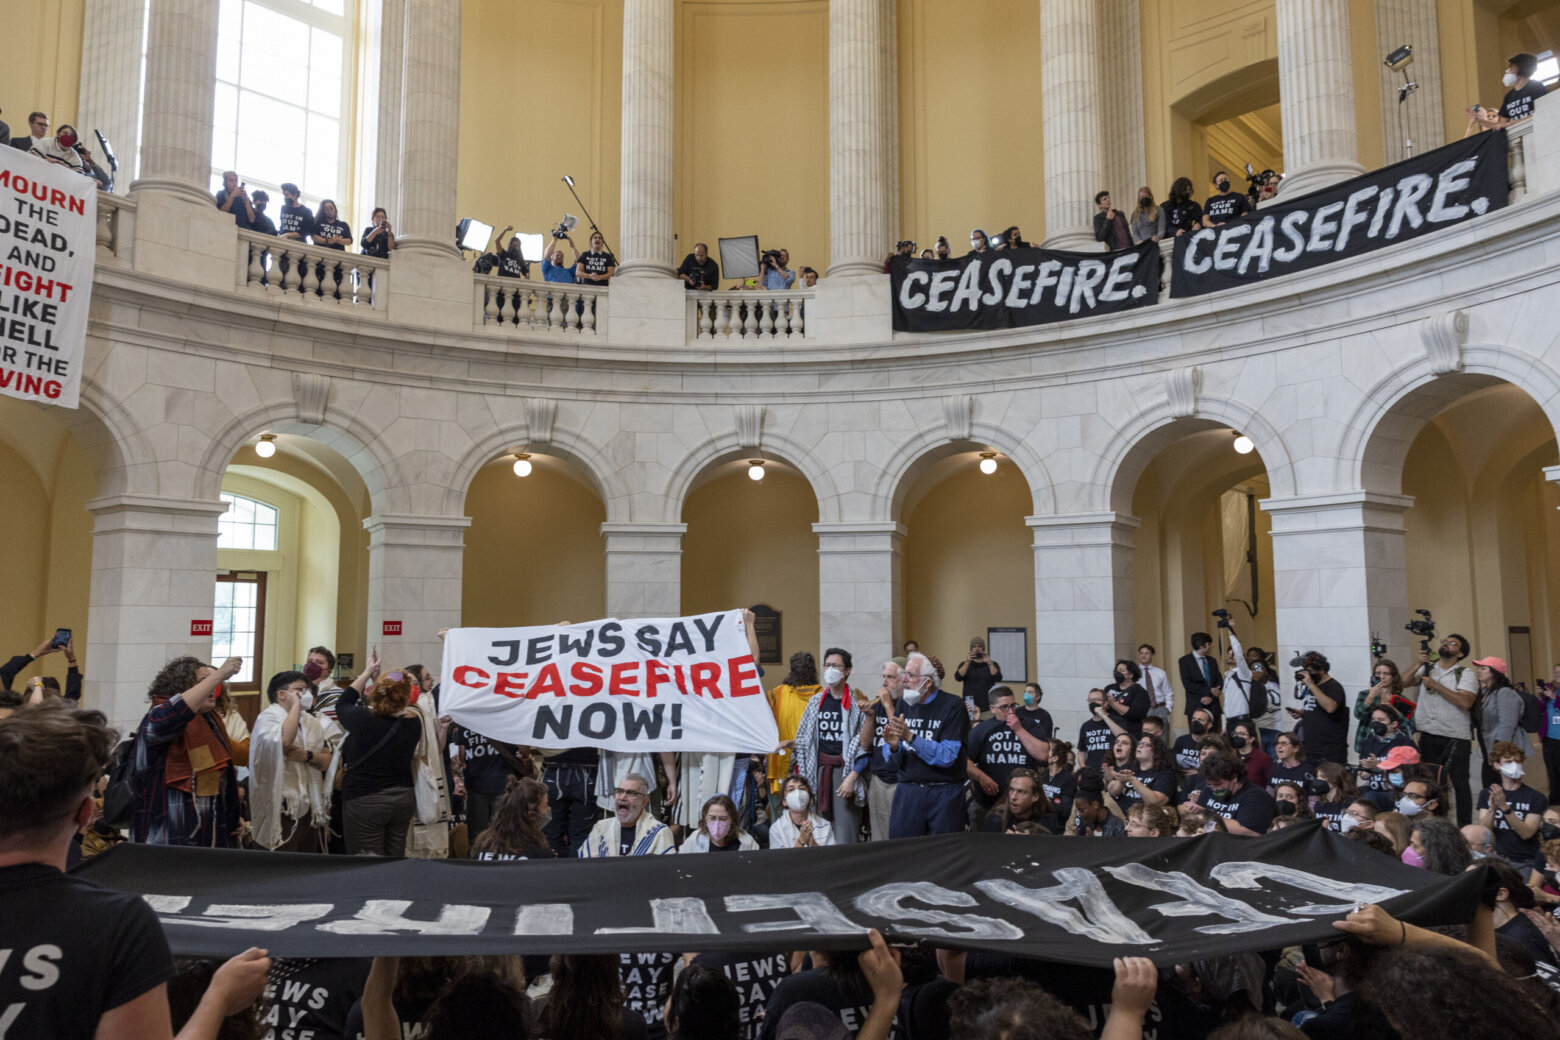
[
  {"x": 1512, "y": 769},
  {"x": 1347, "y": 823},
  {"x": 797, "y": 800},
  {"x": 1408, "y": 807},
  {"x": 1509, "y": 79},
  {"x": 308, "y": 700},
  {"x": 832, "y": 676},
  {"x": 913, "y": 696},
  {"x": 976, "y": 243}
]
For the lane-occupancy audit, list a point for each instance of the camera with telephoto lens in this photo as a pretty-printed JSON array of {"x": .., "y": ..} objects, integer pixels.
[
  {"x": 1224, "y": 618},
  {"x": 1424, "y": 628},
  {"x": 485, "y": 264},
  {"x": 769, "y": 258}
]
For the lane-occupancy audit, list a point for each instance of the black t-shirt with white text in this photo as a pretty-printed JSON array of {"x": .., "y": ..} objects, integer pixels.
[
  {"x": 1138, "y": 704},
  {"x": 1187, "y": 754},
  {"x": 756, "y": 977},
  {"x": 1223, "y": 208},
  {"x": 1251, "y": 807},
  {"x": 1509, "y": 844},
  {"x": 626, "y": 839},
  {"x": 71, "y": 951},
  {"x": 1094, "y": 739},
  {"x": 299, "y": 219},
  {"x": 997, "y": 751},
  {"x": 1161, "y": 781},
  {"x": 885, "y": 771},
  {"x": 331, "y": 229},
  {"x": 1037, "y": 721},
  {"x": 1518, "y": 102},
  {"x": 940, "y": 718},
  {"x": 1182, "y": 216},
  {"x": 310, "y": 999},
  {"x": 647, "y": 983},
  {"x": 487, "y": 771},
  {"x": 1300, "y": 773},
  {"x": 596, "y": 263},
  {"x": 831, "y": 725},
  {"x": 1060, "y": 789}
]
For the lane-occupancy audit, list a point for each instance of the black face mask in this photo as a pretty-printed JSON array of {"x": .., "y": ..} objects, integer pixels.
[
  {"x": 1237, "y": 741},
  {"x": 1222, "y": 185},
  {"x": 1199, "y": 728},
  {"x": 1286, "y": 808},
  {"x": 1379, "y": 728},
  {"x": 1549, "y": 831}
]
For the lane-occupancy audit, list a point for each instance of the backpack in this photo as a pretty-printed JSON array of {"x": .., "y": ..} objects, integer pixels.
[
  {"x": 120, "y": 796},
  {"x": 1532, "y": 710},
  {"x": 1258, "y": 699}
]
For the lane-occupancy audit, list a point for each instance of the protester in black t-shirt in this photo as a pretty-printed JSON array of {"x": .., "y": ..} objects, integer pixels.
[
  {"x": 860, "y": 992},
  {"x": 1185, "y": 748},
  {"x": 377, "y": 798},
  {"x": 1511, "y": 809},
  {"x": 1226, "y": 205},
  {"x": 515, "y": 831},
  {"x": 926, "y": 744},
  {"x": 379, "y": 236},
  {"x": 1523, "y": 90},
  {"x": 328, "y": 229},
  {"x": 1289, "y": 762},
  {"x": 978, "y": 672},
  {"x": 1151, "y": 778},
  {"x": 1059, "y": 781},
  {"x": 263, "y": 224},
  {"x": 1025, "y": 802},
  {"x": 1035, "y": 718},
  {"x": 598, "y": 265},
  {"x": 587, "y": 999},
  {"x": 1110, "y": 225},
  {"x": 297, "y": 220},
  {"x": 1095, "y": 736},
  {"x": 979, "y": 246},
  {"x": 699, "y": 270},
  {"x": 1182, "y": 213},
  {"x": 1324, "y": 711},
  {"x": 484, "y": 768},
  {"x": 1129, "y": 703},
  {"x": 233, "y": 198},
  {"x": 308, "y": 997},
  {"x": 998, "y": 746},
  {"x": 1246, "y": 809}
]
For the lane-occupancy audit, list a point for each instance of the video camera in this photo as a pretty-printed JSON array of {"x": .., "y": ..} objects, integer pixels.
[
  {"x": 769, "y": 258},
  {"x": 1224, "y": 618},
  {"x": 567, "y": 224},
  {"x": 1309, "y": 661},
  {"x": 1424, "y": 628}
]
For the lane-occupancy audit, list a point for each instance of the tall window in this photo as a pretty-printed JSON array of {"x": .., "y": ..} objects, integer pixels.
[
  {"x": 282, "y": 96},
  {"x": 1548, "y": 71},
  {"x": 248, "y": 524},
  {"x": 238, "y": 625}
]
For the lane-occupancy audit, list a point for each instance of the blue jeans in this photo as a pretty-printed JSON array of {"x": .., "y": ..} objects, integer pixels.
[{"x": 922, "y": 809}]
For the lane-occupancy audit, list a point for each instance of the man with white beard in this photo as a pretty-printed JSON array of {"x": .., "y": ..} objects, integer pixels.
[
  {"x": 883, "y": 775},
  {"x": 926, "y": 744}
]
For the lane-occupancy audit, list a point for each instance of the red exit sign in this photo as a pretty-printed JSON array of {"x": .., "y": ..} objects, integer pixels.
[
  {"x": 200, "y": 628},
  {"x": 392, "y": 628}
]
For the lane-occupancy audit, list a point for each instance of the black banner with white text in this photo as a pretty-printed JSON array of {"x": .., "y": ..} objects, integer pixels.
[
  {"x": 1018, "y": 287},
  {"x": 1081, "y": 901},
  {"x": 1397, "y": 203}
]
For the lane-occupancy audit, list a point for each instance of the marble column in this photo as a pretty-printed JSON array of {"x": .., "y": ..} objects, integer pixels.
[
  {"x": 859, "y": 567},
  {"x": 154, "y": 567},
  {"x": 1340, "y": 573},
  {"x": 1070, "y": 103},
  {"x": 861, "y": 225},
  {"x": 414, "y": 577},
  {"x": 1413, "y": 125},
  {"x": 1124, "y": 150},
  {"x": 649, "y": 87},
  {"x": 644, "y": 569},
  {"x": 113, "y": 38},
  {"x": 181, "y": 78},
  {"x": 430, "y": 128},
  {"x": 1316, "y": 94},
  {"x": 1083, "y": 606}
]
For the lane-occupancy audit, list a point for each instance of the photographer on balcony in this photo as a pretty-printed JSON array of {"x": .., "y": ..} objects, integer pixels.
[
  {"x": 1445, "y": 690},
  {"x": 233, "y": 198},
  {"x": 774, "y": 270},
  {"x": 379, "y": 236},
  {"x": 699, "y": 271},
  {"x": 553, "y": 267}
]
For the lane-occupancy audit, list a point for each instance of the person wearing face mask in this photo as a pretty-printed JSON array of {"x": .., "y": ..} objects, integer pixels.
[
  {"x": 292, "y": 770},
  {"x": 943, "y": 249},
  {"x": 827, "y": 744},
  {"x": 1246, "y": 808},
  {"x": 1245, "y": 742},
  {"x": 799, "y": 827},
  {"x": 1035, "y": 718},
  {"x": 1496, "y": 713},
  {"x": 1479, "y": 839},
  {"x": 61, "y": 148},
  {"x": 1323, "y": 711},
  {"x": 978, "y": 244},
  {"x": 1512, "y": 809},
  {"x": 719, "y": 830},
  {"x": 1522, "y": 90},
  {"x": 1341, "y": 793},
  {"x": 883, "y": 776},
  {"x": 1290, "y": 799},
  {"x": 1511, "y": 898},
  {"x": 1421, "y": 797},
  {"x": 1095, "y": 736},
  {"x": 1226, "y": 205},
  {"x": 1387, "y": 750},
  {"x": 1184, "y": 750},
  {"x": 1544, "y": 872},
  {"x": 1182, "y": 213},
  {"x": 1444, "y": 690},
  {"x": 1127, "y": 702},
  {"x": 926, "y": 743},
  {"x": 1148, "y": 219}
]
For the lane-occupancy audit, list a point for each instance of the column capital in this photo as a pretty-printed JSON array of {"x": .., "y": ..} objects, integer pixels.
[
  {"x": 859, "y": 536},
  {"x": 415, "y": 529},
  {"x": 1356, "y": 509},
  {"x": 133, "y": 512},
  {"x": 1102, "y": 528},
  {"x": 650, "y": 536}
]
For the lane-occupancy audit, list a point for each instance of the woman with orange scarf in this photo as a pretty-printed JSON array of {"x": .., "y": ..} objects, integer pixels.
[
  {"x": 788, "y": 701},
  {"x": 186, "y": 786}
]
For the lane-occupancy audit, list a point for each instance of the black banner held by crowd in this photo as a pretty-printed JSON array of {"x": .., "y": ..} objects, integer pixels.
[
  {"x": 1414, "y": 197},
  {"x": 1017, "y": 287},
  {"x": 1081, "y": 901}
]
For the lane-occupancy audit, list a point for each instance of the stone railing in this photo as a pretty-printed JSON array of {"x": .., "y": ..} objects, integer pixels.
[
  {"x": 115, "y": 225},
  {"x": 516, "y": 304},
  {"x": 290, "y": 270},
  {"x": 751, "y": 314}
]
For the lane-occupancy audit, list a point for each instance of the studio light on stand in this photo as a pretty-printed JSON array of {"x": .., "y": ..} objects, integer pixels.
[
  {"x": 988, "y": 462},
  {"x": 1399, "y": 61},
  {"x": 266, "y": 446},
  {"x": 472, "y": 234},
  {"x": 755, "y": 469},
  {"x": 570, "y": 182}
]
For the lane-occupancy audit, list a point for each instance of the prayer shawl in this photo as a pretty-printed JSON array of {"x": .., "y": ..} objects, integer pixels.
[
  {"x": 279, "y": 788},
  {"x": 651, "y": 838},
  {"x": 198, "y": 756}
]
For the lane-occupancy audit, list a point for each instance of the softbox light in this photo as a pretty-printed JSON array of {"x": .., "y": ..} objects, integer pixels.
[
  {"x": 739, "y": 257},
  {"x": 531, "y": 247},
  {"x": 473, "y": 234}
]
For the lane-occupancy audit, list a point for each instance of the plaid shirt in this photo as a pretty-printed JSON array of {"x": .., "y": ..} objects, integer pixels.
[{"x": 165, "y": 815}]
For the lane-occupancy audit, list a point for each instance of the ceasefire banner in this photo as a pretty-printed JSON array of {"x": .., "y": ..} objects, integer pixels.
[
  {"x": 1017, "y": 287},
  {"x": 48, "y": 235},
  {"x": 1079, "y": 901},
  {"x": 649, "y": 684},
  {"x": 1394, "y": 204}
]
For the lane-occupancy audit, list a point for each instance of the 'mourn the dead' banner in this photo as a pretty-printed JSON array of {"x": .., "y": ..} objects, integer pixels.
[
  {"x": 648, "y": 684},
  {"x": 1017, "y": 287},
  {"x": 1428, "y": 192},
  {"x": 1079, "y": 901}
]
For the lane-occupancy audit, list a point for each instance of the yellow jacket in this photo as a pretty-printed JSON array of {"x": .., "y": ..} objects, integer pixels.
[{"x": 787, "y": 702}]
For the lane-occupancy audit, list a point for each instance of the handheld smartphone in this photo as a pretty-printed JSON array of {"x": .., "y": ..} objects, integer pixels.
[{"x": 61, "y": 637}]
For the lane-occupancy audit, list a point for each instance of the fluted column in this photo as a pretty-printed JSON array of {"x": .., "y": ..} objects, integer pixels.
[
  {"x": 859, "y": 176},
  {"x": 1070, "y": 62},
  {"x": 649, "y": 71},
  {"x": 1316, "y": 94},
  {"x": 430, "y": 128},
  {"x": 1414, "y": 125},
  {"x": 112, "y": 41},
  {"x": 1124, "y": 150},
  {"x": 181, "y": 84}
]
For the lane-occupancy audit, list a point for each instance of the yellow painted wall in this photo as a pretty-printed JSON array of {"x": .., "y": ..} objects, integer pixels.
[
  {"x": 753, "y": 543},
  {"x": 752, "y": 126},
  {"x": 534, "y": 554},
  {"x": 27, "y": 569},
  {"x": 970, "y": 139},
  {"x": 541, "y": 96},
  {"x": 969, "y": 564},
  {"x": 42, "y": 66}
]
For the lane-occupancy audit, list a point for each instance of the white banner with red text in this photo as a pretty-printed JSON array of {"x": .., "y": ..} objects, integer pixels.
[
  {"x": 647, "y": 684},
  {"x": 48, "y": 238}
]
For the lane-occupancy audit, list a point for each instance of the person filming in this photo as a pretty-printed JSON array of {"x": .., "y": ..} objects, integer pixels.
[{"x": 699, "y": 270}]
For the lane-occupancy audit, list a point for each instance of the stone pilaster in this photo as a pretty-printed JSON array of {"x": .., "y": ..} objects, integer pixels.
[
  {"x": 181, "y": 83},
  {"x": 1316, "y": 94},
  {"x": 644, "y": 569},
  {"x": 430, "y": 129},
  {"x": 113, "y": 39},
  {"x": 861, "y": 224},
  {"x": 649, "y": 71},
  {"x": 1125, "y": 159},
  {"x": 154, "y": 567},
  {"x": 392, "y": 72},
  {"x": 859, "y": 575},
  {"x": 1415, "y": 122},
  {"x": 1070, "y": 101},
  {"x": 414, "y": 577}
]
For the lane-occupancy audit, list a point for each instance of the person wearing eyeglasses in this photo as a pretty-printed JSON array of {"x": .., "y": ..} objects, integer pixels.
[{"x": 630, "y": 830}]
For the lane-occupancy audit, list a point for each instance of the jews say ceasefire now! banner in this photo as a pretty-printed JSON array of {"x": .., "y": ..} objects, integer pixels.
[
  {"x": 48, "y": 237},
  {"x": 1073, "y": 900},
  {"x": 650, "y": 684},
  {"x": 1440, "y": 188},
  {"x": 1016, "y": 287}
]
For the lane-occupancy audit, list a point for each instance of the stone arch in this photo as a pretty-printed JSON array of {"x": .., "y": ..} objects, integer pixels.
[
  {"x": 341, "y": 430},
  {"x": 569, "y": 445},
  {"x": 715, "y": 450},
  {"x": 915, "y": 455},
  {"x": 1378, "y": 433},
  {"x": 1134, "y": 446}
]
